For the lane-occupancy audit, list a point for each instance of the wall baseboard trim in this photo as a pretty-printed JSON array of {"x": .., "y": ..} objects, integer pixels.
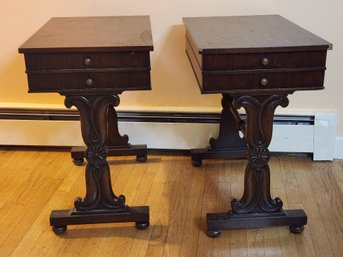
[
  {"x": 164, "y": 130},
  {"x": 141, "y": 116},
  {"x": 324, "y": 136},
  {"x": 339, "y": 148}
]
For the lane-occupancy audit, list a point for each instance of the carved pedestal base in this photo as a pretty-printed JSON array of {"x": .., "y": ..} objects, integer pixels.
[
  {"x": 100, "y": 204},
  {"x": 295, "y": 219},
  {"x": 59, "y": 220},
  {"x": 257, "y": 208},
  {"x": 228, "y": 145},
  {"x": 117, "y": 144}
]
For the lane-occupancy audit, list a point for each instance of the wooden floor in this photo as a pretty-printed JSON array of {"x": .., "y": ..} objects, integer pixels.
[{"x": 32, "y": 183}]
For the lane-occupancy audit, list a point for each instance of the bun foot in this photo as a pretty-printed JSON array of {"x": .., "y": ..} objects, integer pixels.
[
  {"x": 197, "y": 163},
  {"x": 296, "y": 229},
  {"x": 59, "y": 230},
  {"x": 142, "y": 225},
  {"x": 78, "y": 162},
  {"x": 141, "y": 158},
  {"x": 214, "y": 233}
]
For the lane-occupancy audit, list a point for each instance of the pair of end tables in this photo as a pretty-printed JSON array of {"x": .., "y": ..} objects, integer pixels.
[{"x": 253, "y": 61}]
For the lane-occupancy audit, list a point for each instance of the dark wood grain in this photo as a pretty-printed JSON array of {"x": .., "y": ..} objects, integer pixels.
[
  {"x": 249, "y": 82},
  {"x": 90, "y": 60},
  {"x": 276, "y": 60},
  {"x": 256, "y": 61},
  {"x": 102, "y": 81},
  {"x": 249, "y": 34},
  {"x": 57, "y": 61},
  {"x": 234, "y": 54},
  {"x": 84, "y": 34},
  {"x": 89, "y": 54}
]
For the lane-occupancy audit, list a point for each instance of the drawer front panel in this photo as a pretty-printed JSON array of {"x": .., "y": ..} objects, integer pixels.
[
  {"x": 263, "y": 81},
  {"x": 63, "y": 82},
  {"x": 36, "y": 62},
  {"x": 263, "y": 60}
]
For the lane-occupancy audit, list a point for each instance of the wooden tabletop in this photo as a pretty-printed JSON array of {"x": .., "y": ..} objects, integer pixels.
[
  {"x": 261, "y": 33},
  {"x": 98, "y": 34}
]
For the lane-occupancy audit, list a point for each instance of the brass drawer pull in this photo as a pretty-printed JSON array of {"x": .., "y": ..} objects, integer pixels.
[
  {"x": 265, "y": 61},
  {"x": 87, "y": 61},
  {"x": 89, "y": 82},
  {"x": 264, "y": 82}
]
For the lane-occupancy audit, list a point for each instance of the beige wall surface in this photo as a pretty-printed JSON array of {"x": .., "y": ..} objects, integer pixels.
[{"x": 174, "y": 85}]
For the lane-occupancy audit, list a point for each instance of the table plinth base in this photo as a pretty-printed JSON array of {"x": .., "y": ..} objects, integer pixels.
[
  {"x": 78, "y": 152},
  {"x": 228, "y": 144},
  {"x": 295, "y": 219},
  {"x": 59, "y": 219},
  {"x": 200, "y": 154}
]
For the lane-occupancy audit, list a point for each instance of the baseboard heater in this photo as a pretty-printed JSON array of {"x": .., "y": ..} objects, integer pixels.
[{"x": 159, "y": 130}]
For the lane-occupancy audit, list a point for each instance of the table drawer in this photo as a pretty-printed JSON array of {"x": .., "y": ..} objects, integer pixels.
[
  {"x": 56, "y": 61},
  {"x": 116, "y": 81},
  {"x": 278, "y": 81},
  {"x": 244, "y": 61}
]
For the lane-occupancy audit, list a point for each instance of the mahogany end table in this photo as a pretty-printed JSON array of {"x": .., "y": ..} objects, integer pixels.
[
  {"x": 90, "y": 61},
  {"x": 255, "y": 62}
]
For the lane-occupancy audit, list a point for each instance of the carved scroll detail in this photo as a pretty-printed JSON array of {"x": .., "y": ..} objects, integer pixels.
[
  {"x": 93, "y": 114},
  {"x": 228, "y": 133},
  {"x": 258, "y": 133}
]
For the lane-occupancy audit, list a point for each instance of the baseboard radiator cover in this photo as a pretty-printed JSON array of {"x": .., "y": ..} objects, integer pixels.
[{"x": 162, "y": 130}]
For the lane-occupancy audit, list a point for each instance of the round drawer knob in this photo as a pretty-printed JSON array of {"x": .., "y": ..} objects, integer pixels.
[
  {"x": 87, "y": 61},
  {"x": 89, "y": 82},
  {"x": 264, "y": 82},
  {"x": 265, "y": 61}
]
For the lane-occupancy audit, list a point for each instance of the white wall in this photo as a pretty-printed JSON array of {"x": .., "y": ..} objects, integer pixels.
[{"x": 174, "y": 85}]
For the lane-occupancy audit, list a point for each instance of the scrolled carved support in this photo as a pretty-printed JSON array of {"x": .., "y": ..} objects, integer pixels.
[
  {"x": 228, "y": 133},
  {"x": 93, "y": 115},
  {"x": 93, "y": 111},
  {"x": 258, "y": 133},
  {"x": 113, "y": 135},
  {"x": 256, "y": 196}
]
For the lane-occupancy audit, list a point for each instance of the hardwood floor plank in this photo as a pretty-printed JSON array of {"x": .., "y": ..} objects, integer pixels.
[
  {"x": 178, "y": 206},
  {"x": 147, "y": 194},
  {"x": 166, "y": 177},
  {"x": 35, "y": 192},
  {"x": 304, "y": 243},
  {"x": 271, "y": 242},
  {"x": 188, "y": 247},
  {"x": 205, "y": 245},
  {"x": 309, "y": 191},
  {"x": 337, "y": 167},
  {"x": 32, "y": 183},
  {"x": 60, "y": 199},
  {"x": 330, "y": 206}
]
